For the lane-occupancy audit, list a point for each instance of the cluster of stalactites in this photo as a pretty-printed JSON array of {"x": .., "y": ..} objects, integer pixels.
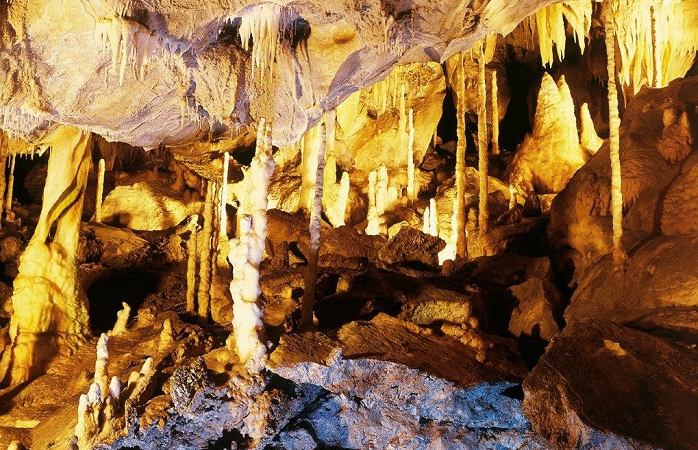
[
  {"x": 656, "y": 41},
  {"x": 549, "y": 25},
  {"x": 133, "y": 46},
  {"x": 259, "y": 33}
]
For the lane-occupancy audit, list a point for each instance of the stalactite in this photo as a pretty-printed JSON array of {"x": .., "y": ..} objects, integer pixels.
[
  {"x": 9, "y": 215},
  {"x": 550, "y": 27},
  {"x": 484, "y": 210},
  {"x": 100, "y": 191},
  {"x": 205, "y": 250},
  {"x": 50, "y": 312},
  {"x": 619, "y": 256},
  {"x": 462, "y": 245},
  {"x": 260, "y": 28},
  {"x": 246, "y": 253},
  {"x": 495, "y": 113},
  {"x": 410, "y": 158},
  {"x": 191, "y": 272},
  {"x": 133, "y": 45},
  {"x": 311, "y": 269}
]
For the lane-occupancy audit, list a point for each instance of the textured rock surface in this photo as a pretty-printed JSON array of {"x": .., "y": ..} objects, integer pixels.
[
  {"x": 149, "y": 205},
  {"x": 401, "y": 397},
  {"x": 599, "y": 381},
  {"x": 410, "y": 246},
  {"x": 196, "y": 76},
  {"x": 538, "y": 310}
]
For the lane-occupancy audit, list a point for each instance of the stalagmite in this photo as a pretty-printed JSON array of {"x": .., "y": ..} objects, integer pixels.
[
  {"x": 50, "y": 311},
  {"x": 373, "y": 226},
  {"x": 191, "y": 271},
  {"x": 246, "y": 253},
  {"x": 205, "y": 251},
  {"x": 166, "y": 335},
  {"x": 433, "y": 218},
  {"x": 9, "y": 215},
  {"x": 311, "y": 269},
  {"x": 619, "y": 256},
  {"x": 4, "y": 148},
  {"x": 100, "y": 191},
  {"x": 382, "y": 197},
  {"x": 223, "y": 213},
  {"x": 495, "y": 114},
  {"x": 513, "y": 196},
  {"x": 121, "y": 320},
  {"x": 410, "y": 158},
  {"x": 425, "y": 220},
  {"x": 462, "y": 245},
  {"x": 101, "y": 370},
  {"x": 484, "y": 210},
  {"x": 587, "y": 135}
]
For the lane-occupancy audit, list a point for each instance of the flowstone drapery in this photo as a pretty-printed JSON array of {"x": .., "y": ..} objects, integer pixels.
[{"x": 50, "y": 312}]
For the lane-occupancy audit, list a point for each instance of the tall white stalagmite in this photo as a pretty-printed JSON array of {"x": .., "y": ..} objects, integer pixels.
[
  {"x": 101, "y": 366},
  {"x": 247, "y": 250},
  {"x": 425, "y": 220},
  {"x": 433, "y": 218},
  {"x": 461, "y": 241},
  {"x": 619, "y": 256},
  {"x": 100, "y": 191},
  {"x": 495, "y": 114},
  {"x": 10, "y": 188},
  {"x": 484, "y": 210},
  {"x": 410, "y": 158},
  {"x": 315, "y": 216}
]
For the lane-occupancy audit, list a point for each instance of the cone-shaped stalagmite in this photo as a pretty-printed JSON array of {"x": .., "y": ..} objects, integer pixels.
[
  {"x": 50, "y": 312},
  {"x": 619, "y": 255}
]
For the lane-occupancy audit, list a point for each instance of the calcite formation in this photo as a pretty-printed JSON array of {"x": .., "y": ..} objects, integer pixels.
[{"x": 378, "y": 224}]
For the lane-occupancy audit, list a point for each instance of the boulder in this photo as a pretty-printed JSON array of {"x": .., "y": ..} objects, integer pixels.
[
  {"x": 538, "y": 310},
  {"x": 599, "y": 381},
  {"x": 411, "y": 246}
]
